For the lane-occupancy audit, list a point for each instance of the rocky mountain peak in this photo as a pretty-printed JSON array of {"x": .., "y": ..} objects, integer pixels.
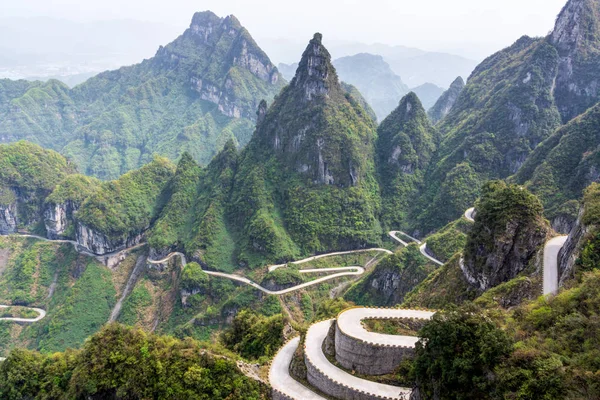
[
  {"x": 458, "y": 83},
  {"x": 316, "y": 74},
  {"x": 576, "y": 37},
  {"x": 446, "y": 101},
  {"x": 578, "y": 23},
  {"x": 204, "y": 24}
]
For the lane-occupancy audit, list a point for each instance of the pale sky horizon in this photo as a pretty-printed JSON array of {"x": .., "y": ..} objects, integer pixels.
[{"x": 471, "y": 28}]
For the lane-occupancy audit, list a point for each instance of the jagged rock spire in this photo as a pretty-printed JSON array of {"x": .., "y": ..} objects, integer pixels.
[
  {"x": 444, "y": 104},
  {"x": 315, "y": 74}
]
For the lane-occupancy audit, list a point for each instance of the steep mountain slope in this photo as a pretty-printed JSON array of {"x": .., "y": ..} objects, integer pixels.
[
  {"x": 502, "y": 114},
  {"x": 562, "y": 166},
  {"x": 195, "y": 94},
  {"x": 444, "y": 104},
  {"x": 375, "y": 80},
  {"x": 306, "y": 181},
  {"x": 512, "y": 102},
  {"x": 406, "y": 142},
  {"x": 577, "y": 39}
]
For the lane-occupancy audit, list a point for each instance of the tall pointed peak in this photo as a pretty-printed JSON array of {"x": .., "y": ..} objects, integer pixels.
[
  {"x": 577, "y": 24},
  {"x": 458, "y": 83},
  {"x": 316, "y": 74}
]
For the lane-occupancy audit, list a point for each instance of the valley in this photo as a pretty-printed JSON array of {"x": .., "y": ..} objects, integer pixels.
[{"x": 197, "y": 226}]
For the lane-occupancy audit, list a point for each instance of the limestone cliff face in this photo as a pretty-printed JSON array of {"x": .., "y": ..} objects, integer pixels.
[
  {"x": 58, "y": 217},
  {"x": 99, "y": 243},
  {"x": 506, "y": 236},
  {"x": 8, "y": 218},
  {"x": 445, "y": 103},
  {"x": 576, "y": 37}
]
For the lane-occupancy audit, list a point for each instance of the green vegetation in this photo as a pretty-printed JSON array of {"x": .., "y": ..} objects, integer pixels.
[
  {"x": 505, "y": 110},
  {"x": 589, "y": 257},
  {"x": 75, "y": 188},
  {"x": 445, "y": 286},
  {"x": 457, "y": 353},
  {"x": 449, "y": 240},
  {"x": 394, "y": 277},
  {"x": 31, "y": 168},
  {"x": 194, "y": 217},
  {"x": 254, "y": 336},
  {"x": 135, "y": 304},
  {"x": 126, "y": 363},
  {"x": 86, "y": 307},
  {"x": 194, "y": 95},
  {"x": 128, "y": 204},
  {"x": 283, "y": 277},
  {"x": 561, "y": 167},
  {"x": 506, "y": 214},
  {"x": 405, "y": 144},
  {"x": 28, "y": 174},
  {"x": 403, "y": 327},
  {"x": 193, "y": 278}
]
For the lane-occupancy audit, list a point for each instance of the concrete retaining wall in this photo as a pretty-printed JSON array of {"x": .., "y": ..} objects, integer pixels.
[
  {"x": 277, "y": 395},
  {"x": 368, "y": 358},
  {"x": 332, "y": 388}
]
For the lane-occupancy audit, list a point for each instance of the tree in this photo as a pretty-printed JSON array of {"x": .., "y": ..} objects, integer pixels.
[{"x": 457, "y": 354}]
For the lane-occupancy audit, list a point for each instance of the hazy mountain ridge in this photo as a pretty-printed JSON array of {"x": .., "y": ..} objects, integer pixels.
[
  {"x": 195, "y": 94},
  {"x": 509, "y": 106}
]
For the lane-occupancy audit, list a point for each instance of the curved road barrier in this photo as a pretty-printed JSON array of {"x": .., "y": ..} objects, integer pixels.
[
  {"x": 41, "y": 315},
  {"x": 329, "y": 379},
  {"x": 284, "y": 386},
  {"x": 372, "y": 353},
  {"x": 469, "y": 214}
]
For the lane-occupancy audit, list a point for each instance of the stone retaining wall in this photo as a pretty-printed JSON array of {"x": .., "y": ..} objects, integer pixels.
[
  {"x": 277, "y": 395},
  {"x": 335, "y": 389},
  {"x": 368, "y": 358}
]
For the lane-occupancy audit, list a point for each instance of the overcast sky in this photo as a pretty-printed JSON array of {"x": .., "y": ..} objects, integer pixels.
[{"x": 474, "y": 28}]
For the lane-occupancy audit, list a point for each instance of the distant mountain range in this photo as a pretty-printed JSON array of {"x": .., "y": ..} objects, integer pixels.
[
  {"x": 374, "y": 78},
  {"x": 51, "y": 47},
  {"x": 195, "y": 94}
]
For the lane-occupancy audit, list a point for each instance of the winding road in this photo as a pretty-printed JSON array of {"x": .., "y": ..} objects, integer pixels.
[
  {"x": 41, "y": 314},
  {"x": 339, "y": 253},
  {"x": 280, "y": 378},
  {"x": 422, "y": 246},
  {"x": 469, "y": 214},
  {"x": 350, "y": 322},
  {"x": 341, "y": 271},
  {"x": 551, "y": 264},
  {"x": 313, "y": 351}
]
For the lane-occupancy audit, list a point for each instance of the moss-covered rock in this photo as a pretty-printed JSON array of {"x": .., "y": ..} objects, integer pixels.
[{"x": 508, "y": 232}]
